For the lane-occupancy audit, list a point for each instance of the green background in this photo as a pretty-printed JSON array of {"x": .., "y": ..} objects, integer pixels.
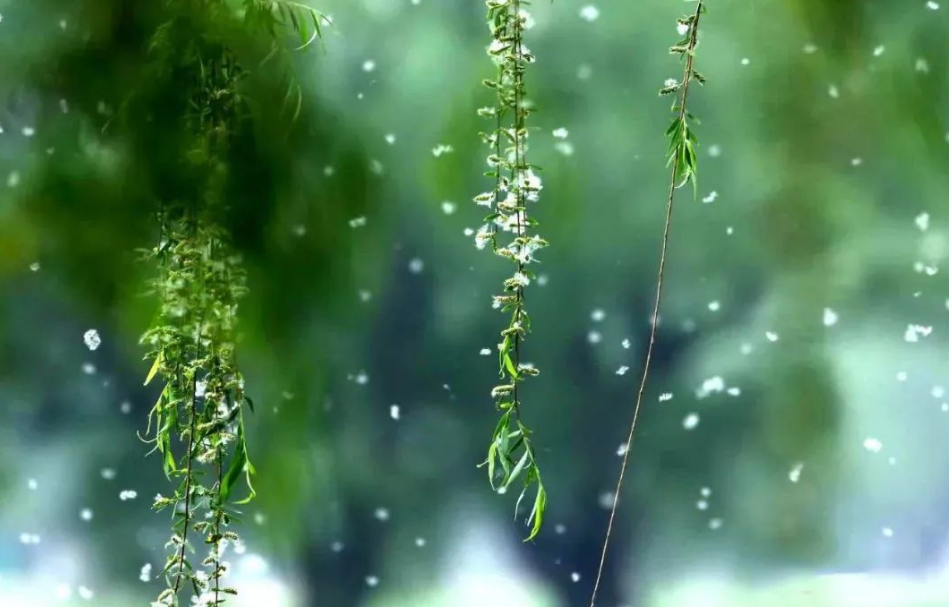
[{"x": 824, "y": 136}]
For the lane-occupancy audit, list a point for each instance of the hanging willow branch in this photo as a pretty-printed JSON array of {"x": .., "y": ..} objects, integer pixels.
[
  {"x": 197, "y": 424},
  {"x": 682, "y": 158},
  {"x": 511, "y": 454}
]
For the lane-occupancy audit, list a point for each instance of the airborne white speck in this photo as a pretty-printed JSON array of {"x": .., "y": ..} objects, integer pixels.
[
  {"x": 441, "y": 149},
  {"x": 589, "y": 13}
]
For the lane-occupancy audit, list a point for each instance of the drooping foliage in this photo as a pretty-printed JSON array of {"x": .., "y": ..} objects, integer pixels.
[
  {"x": 511, "y": 453},
  {"x": 197, "y": 424}
]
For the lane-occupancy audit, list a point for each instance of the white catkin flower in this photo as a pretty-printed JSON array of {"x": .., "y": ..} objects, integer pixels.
[
  {"x": 91, "y": 339},
  {"x": 530, "y": 184},
  {"x": 483, "y": 236},
  {"x": 497, "y": 48}
]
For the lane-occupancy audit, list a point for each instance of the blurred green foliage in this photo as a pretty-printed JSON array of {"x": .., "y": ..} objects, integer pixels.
[{"x": 821, "y": 151}]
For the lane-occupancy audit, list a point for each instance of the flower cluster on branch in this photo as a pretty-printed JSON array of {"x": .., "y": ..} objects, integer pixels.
[{"x": 509, "y": 230}]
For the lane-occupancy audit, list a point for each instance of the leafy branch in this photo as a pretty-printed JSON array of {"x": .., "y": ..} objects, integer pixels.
[
  {"x": 682, "y": 158},
  {"x": 511, "y": 453}
]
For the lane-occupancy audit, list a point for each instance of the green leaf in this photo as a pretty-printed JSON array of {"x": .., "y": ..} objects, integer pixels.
[
  {"x": 517, "y": 470},
  {"x": 502, "y": 352},
  {"x": 509, "y": 365},
  {"x": 501, "y": 425},
  {"x": 239, "y": 465},
  {"x": 249, "y": 471},
  {"x": 537, "y": 513},
  {"x": 168, "y": 464},
  {"x": 492, "y": 456},
  {"x": 154, "y": 370}
]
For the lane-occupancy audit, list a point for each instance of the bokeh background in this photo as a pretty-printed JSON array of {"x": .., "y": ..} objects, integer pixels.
[{"x": 792, "y": 449}]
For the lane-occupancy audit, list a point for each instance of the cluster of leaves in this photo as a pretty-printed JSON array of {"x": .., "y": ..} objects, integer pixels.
[
  {"x": 511, "y": 454},
  {"x": 682, "y": 139},
  {"x": 198, "y": 418},
  {"x": 276, "y": 16},
  {"x": 197, "y": 424}
]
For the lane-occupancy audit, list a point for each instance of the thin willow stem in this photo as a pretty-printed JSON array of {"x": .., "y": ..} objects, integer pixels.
[
  {"x": 521, "y": 215},
  {"x": 188, "y": 479},
  {"x": 217, "y": 534},
  {"x": 654, "y": 322}
]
